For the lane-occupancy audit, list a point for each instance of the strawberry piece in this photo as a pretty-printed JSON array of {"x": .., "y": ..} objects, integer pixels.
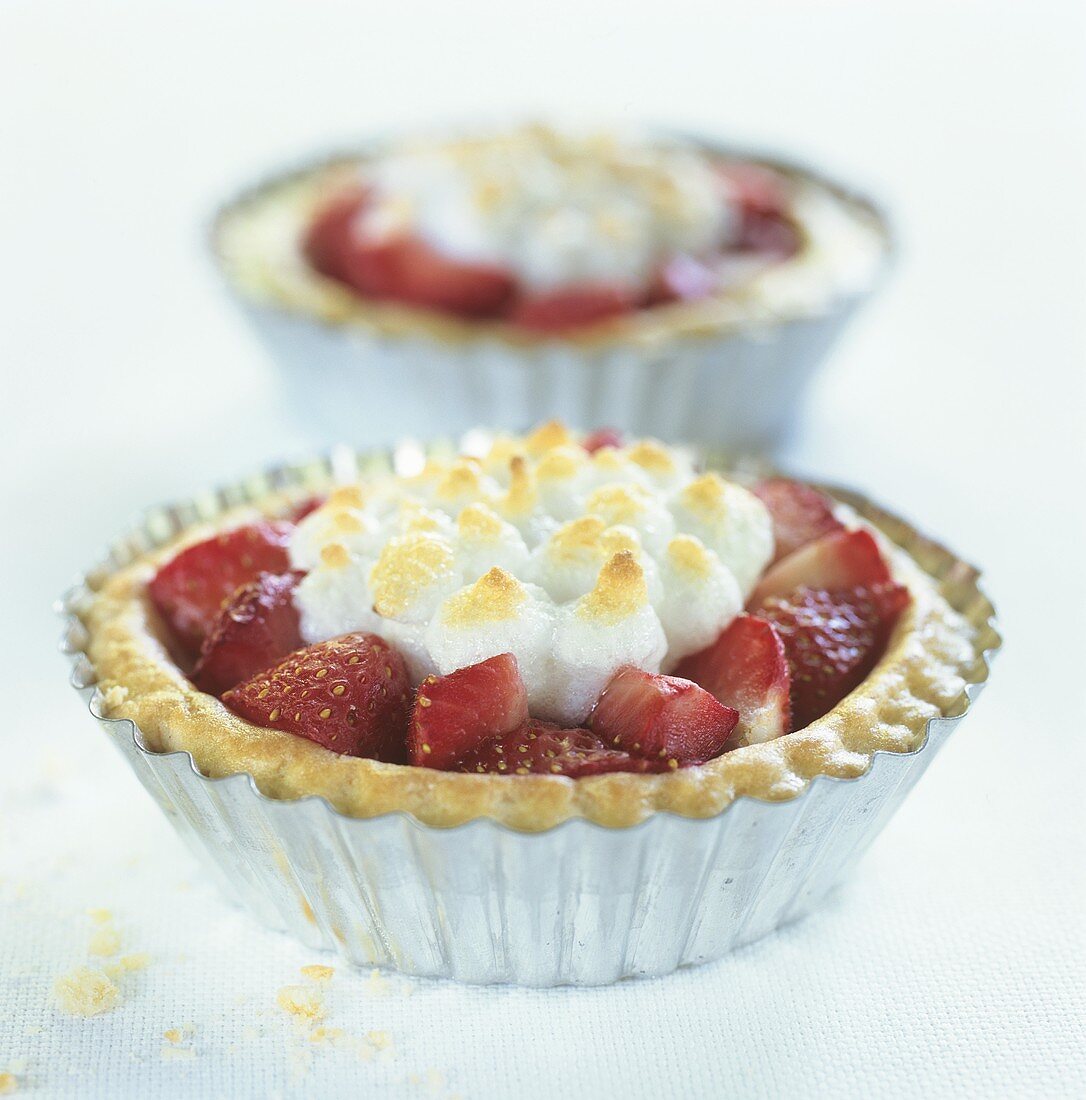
[
  {"x": 600, "y": 438},
  {"x": 454, "y": 714},
  {"x": 189, "y": 590},
  {"x": 257, "y": 626},
  {"x": 541, "y": 748},
  {"x": 662, "y": 718},
  {"x": 800, "y": 514},
  {"x": 570, "y": 307},
  {"x": 305, "y": 507},
  {"x": 755, "y": 190},
  {"x": 328, "y": 241},
  {"x": 762, "y": 199},
  {"x": 841, "y": 559},
  {"x": 832, "y": 640},
  {"x": 406, "y": 269},
  {"x": 350, "y": 694},
  {"x": 746, "y": 668}
]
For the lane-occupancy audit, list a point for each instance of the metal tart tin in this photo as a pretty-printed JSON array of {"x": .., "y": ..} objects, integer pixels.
[
  {"x": 579, "y": 904},
  {"x": 734, "y": 375}
]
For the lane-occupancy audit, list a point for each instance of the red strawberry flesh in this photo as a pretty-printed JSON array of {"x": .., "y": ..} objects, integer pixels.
[
  {"x": 256, "y": 627},
  {"x": 800, "y": 514},
  {"x": 407, "y": 269},
  {"x": 832, "y": 640},
  {"x": 189, "y": 590},
  {"x": 571, "y": 307},
  {"x": 600, "y": 438},
  {"x": 454, "y": 714},
  {"x": 329, "y": 239},
  {"x": 841, "y": 559},
  {"x": 662, "y": 718},
  {"x": 746, "y": 669},
  {"x": 541, "y": 748},
  {"x": 350, "y": 694}
]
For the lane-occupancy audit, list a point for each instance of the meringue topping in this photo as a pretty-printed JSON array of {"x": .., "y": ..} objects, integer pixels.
[{"x": 577, "y": 564}]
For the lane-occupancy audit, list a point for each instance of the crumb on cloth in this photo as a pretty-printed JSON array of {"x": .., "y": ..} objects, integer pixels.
[{"x": 86, "y": 992}]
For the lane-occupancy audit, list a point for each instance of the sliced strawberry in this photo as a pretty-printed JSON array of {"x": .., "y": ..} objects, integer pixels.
[
  {"x": 600, "y": 438},
  {"x": 305, "y": 507},
  {"x": 256, "y": 627},
  {"x": 570, "y": 307},
  {"x": 832, "y": 640},
  {"x": 762, "y": 198},
  {"x": 350, "y": 694},
  {"x": 454, "y": 714},
  {"x": 800, "y": 514},
  {"x": 841, "y": 559},
  {"x": 328, "y": 240},
  {"x": 754, "y": 189},
  {"x": 661, "y": 718},
  {"x": 541, "y": 748},
  {"x": 746, "y": 668},
  {"x": 406, "y": 269},
  {"x": 189, "y": 590}
]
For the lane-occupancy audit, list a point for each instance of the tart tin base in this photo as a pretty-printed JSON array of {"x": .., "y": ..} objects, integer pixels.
[
  {"x": 743, "y": 390},
  {"x": 579, "y": 904}
]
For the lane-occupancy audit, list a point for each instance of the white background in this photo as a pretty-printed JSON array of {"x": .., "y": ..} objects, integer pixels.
[{"x": 953, "y": 963}]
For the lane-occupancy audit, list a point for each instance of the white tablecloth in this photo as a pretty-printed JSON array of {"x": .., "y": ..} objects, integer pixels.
[{"x": 953, "y": 962}]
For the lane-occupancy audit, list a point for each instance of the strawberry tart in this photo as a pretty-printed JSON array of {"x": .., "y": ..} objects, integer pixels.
[
  {"x": 553, "y": 626},
  {"x": 538, "y": 247}
]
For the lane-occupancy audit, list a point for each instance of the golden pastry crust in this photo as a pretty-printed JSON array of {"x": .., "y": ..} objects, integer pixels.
[
  {"x": 845, "y": 243},
  {"x": 933, "y": 653}
]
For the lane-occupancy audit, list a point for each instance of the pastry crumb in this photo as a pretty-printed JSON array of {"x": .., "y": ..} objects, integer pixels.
[
  {"x": 86, "y": 992},
  {"x": 9, "y": 1084},
  {"x": 128, "y": 963},
  {"x": 106, "y": 940},
  {"x": 377, "y": 985},
  {"x": 329, "y": 1035},
  {"x": 179, "y": 1040},
  {"x": 301, "y": 1001},
  {"x": 317, "y": 973},
  {"x": 379, "y": 1040},
  {"x": 177, "y": 1054}
]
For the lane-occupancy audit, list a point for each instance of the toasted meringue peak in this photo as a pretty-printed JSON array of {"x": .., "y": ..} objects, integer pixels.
[
  {"x": 618, "y": 503},
  {"x": 522, "y": 496},
  {"x": 653, "y": 457},
  {"x": 346, "y": 496},
  {"x": 494, "y": 597},
  {"x": 502, "y": 450},
  {"x": 705, "y": 496},
  {"x": 609, "y": 460},
  {"x": 335, "y": 556},
  {"x": 576, "y": 538},
  {"x": 562, "y": 463},
  {"x": 414, "y": 516},
  {"x": 479, "y": 523},
  {"x": 620, "y": 590},
  {"x": 407, "y": 566},
  {"x": 688, "y": 556},
  {"x": 459, "y": 481},
  {"x": 347, "y": 523},
  {"x": 552, "y": 434}
]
